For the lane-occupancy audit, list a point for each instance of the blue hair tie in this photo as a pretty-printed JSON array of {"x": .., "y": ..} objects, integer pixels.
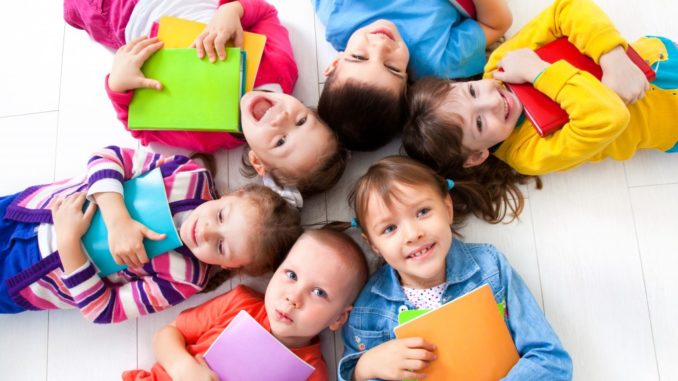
[
  {"x": 450, "y": 184},
  {"x": 354, "y": 223}
]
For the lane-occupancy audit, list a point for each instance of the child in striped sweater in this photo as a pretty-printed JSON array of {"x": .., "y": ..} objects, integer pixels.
[{"x": 43, "y": 265}]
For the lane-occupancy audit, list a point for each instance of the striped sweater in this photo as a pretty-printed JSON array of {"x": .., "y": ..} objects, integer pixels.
[{"x": 164, "y": 281}]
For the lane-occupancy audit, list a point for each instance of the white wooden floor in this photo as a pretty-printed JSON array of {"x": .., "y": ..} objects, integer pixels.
[{"x": 598, "y": 246}]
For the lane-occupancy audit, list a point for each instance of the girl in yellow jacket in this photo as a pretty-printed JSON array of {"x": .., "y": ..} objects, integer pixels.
[{"x": 476, "y": 132}]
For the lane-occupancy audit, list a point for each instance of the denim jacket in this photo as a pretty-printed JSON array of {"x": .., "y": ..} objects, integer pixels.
[{"x": 468, "y": 266}]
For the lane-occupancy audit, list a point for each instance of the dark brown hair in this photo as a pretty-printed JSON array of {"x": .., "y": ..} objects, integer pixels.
[
  {"x": 491, "y": 188},
  {"x": 324, "y": 176},
  {"x": 364, "y": 117},
  {"x": 278, "y": 228}
]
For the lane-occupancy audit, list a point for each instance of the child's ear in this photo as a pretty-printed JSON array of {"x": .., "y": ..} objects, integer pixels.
[
  {"x": 450, "y": 208},
  {"x": 257, "y": 164},
  {"x": 333, "y": 65},
  {"x": 476, "y": 158},
  {"x": 341, "y": 319}
]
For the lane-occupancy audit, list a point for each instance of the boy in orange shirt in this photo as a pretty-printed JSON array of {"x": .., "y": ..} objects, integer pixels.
[{"x": 313, "y": 289}]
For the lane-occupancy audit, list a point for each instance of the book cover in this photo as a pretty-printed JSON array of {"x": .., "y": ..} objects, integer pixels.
[
  {"x": 238, "y": 351},
  {"x": 176, "y": 32},
  {"x": 472, "y": 340},
  {"x": 196, "y": 94},
  {"x": 146, "y": 201},
  {"x": 545, "y": 114},
  {"x": 465, "y": 7}
]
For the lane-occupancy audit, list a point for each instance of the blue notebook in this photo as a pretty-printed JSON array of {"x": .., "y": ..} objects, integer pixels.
[{"x": 147, "y": 203}]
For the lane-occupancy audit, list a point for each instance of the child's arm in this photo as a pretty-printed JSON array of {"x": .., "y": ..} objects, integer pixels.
[
  {"x": 585, "y": 24},
  {"x": 371, "y": 357},
  {"x": 169, "y": 346},
  {"x": 623, "y": 76},
  {"x": 494, "y": 17},
  {"x": 277, "y": 65},
  {"x": 70, "y": 224},
  {"x": 592, "y": 126},
  {"x": 396, "y": 359},
  {"x": 144, "y": 291},
  {"x": 126, "y": 72},
  {"x": 125, "y": 235},
  {"x": 224, "y": 27},
  {"x": 542, "y": 356}
]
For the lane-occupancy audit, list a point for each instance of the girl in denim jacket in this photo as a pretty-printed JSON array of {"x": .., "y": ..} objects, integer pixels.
[{"x": 405, "y": 212}]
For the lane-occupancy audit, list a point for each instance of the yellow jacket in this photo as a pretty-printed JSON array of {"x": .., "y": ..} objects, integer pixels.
[{"x": 600, "y": 125}]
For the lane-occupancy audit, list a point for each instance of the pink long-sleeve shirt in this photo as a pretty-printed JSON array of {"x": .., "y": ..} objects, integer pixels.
[{"x": 277, "y": 67}]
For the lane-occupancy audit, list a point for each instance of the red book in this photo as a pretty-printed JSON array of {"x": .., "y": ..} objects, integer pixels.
[
  {"x": 465, "y": 7},
  {"x": 545, "y": 114}
]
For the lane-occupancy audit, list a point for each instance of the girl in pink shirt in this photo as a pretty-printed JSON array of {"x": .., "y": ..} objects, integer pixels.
[{"x": 287, "y": 141}]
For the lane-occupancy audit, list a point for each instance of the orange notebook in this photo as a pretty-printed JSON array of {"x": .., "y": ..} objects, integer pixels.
[
  {"x": 176, "y": 32},
  {"x": 545, "y": 114},
  {"x": 472, "y": 340}
]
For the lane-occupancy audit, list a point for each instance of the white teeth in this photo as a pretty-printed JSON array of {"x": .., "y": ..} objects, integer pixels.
[{"x": 419, "y": 253}]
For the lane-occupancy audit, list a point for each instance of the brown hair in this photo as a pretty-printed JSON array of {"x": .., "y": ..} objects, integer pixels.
[
  {"x": 492, "y": 188},
  {"x": 278, "y": 228},
  {"x": 326, "y": 174},
  {"x": 364, "y": 117},
  {"x": 383, "y": 178}
]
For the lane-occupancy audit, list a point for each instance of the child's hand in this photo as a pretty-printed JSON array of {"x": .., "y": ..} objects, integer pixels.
[
  {"x": 522, "y": 65},
  {"x": 126, "y": 71},
  {"x": 191, "y": 370},
  {"x": 396, "y": 360},
  {"x": 622, "y": 76},
  {"x": 225, "y": 26},
  {"x": 125, "y": 240},
  {"x": 70, "y": 223}
]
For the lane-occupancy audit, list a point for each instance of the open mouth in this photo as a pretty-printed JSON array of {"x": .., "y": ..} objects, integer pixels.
[
  {"x": 421, "y": 252},
  {"x": 259, "y": 107}
]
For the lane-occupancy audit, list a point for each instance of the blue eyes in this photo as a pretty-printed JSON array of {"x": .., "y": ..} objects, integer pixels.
[
  {"x": 291, "y": 274},
  {"x": 423, "y": 212},
  {"x": 389, "y": 229},
  {"x": 319, "y": 292}
]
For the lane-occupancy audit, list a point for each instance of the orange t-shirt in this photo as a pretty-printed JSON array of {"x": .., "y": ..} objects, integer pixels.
[{"x": 202, "y": 324}]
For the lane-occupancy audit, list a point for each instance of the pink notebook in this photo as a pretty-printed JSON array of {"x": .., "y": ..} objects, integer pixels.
[{"x": 247, "y": 351}]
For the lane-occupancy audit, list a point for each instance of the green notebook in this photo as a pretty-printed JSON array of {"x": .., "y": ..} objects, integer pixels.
[
  {"x": 146, "y": 201},
  {"x": 197, "y": 95}
]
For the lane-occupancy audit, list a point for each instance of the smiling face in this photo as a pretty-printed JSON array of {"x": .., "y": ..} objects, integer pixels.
[
  {"x": 375, "y": 55},
  {"x": 284, "y": 133},
  {"x": 413, "y": 234},
  {"x": 488, "y": 112},
  {"x": 216, "y": 232},
  {"x": 310, "y": 291}
]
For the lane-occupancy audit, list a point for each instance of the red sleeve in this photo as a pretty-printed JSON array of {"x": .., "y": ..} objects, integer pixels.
[
  {"x": 194, "y": 322},
  {"x": 277, "y": 64},
  {"x": 198, "y": 141},
  {"x": 320, "y": 372}
]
